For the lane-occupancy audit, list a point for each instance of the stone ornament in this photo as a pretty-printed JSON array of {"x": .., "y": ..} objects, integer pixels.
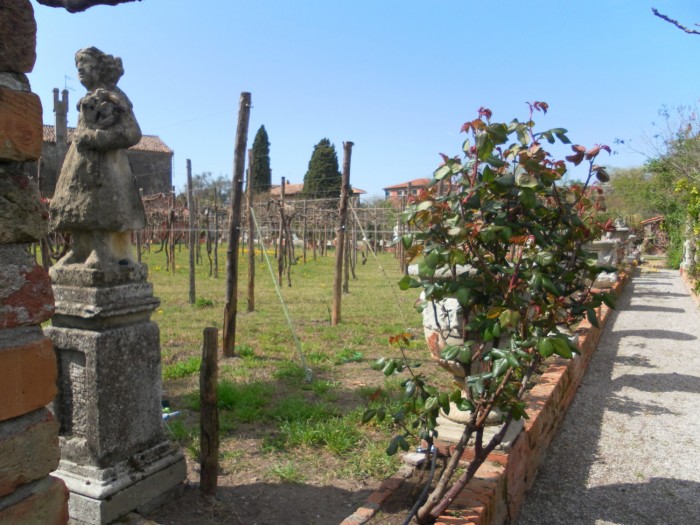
[{"x": 96, "y": 198}]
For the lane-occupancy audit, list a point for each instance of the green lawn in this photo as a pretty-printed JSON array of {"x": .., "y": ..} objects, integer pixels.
[{"x": 293, "y": 430}]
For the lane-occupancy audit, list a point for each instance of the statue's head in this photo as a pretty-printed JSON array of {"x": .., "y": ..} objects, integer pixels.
[{"x": 97, "y": 69}]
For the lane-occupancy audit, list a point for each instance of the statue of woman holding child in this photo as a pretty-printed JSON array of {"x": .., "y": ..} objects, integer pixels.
[{"x": 96, "y": 198}]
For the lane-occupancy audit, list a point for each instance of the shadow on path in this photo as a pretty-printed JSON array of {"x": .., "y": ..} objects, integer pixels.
[{"x": 578, "y": 482}]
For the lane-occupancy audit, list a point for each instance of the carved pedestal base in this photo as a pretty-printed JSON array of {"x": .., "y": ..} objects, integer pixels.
[
  {"x": 141, "y": 483},
  {"x": 115, "y": 457}
]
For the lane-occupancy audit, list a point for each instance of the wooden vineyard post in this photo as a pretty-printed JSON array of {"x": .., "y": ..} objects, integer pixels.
[
  {"x": 303, "y": 235},
  {"x": 251, "y": 235},
  {"x": 340, "y": 233},
  {"x": 346, "y": 262},
  {"x": 280, "y": 251},
  {"x": 404, "y": 259},
  {"x": 216, "y": 233},
  {"x": 171, "y": 232},
  {"x": 209, "y": 414},
  {"x": 231, "y": 307},
  {"x": 191, "y": 235}
]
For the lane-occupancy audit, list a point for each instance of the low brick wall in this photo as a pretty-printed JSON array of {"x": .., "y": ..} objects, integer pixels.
[
  {"x": 494, "y": 495},
  {"x": 689, "y": 283}
]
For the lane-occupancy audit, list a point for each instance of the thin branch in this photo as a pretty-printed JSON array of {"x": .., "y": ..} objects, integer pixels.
[
  {"x": 75, "y": 6},
  {"x": 675, "y": 23}
]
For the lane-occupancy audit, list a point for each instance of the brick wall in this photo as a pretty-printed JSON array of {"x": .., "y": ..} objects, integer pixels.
[{"x": 28, "y": 431}]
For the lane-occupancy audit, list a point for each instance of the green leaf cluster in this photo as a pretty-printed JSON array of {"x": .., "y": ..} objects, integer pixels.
[{"x": 508, "y": 241}]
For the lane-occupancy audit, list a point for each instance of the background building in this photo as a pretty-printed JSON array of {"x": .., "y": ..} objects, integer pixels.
[{"x": 151, "y": 159}]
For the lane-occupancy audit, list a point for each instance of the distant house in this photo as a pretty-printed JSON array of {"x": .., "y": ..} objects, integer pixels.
[
  {"x": 295, "y": 192},
  {"x": 411, "y": 187},
  {"x": 151, "y": 159}
]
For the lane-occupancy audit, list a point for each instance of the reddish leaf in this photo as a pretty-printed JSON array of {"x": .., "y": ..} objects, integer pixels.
[
  {"x": 593, "y": 152},
  {"x": 485, "y": 112},
  {"x": 541, "y": 106},
  {"x": 376, "y": 394},
  {"x": 576, "y": 159}
]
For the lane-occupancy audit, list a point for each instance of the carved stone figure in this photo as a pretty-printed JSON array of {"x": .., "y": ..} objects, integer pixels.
[{"x": 96, "y": 198}]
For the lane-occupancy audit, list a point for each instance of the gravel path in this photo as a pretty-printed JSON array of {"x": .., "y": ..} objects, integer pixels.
[{"x": 628, "y": 452}]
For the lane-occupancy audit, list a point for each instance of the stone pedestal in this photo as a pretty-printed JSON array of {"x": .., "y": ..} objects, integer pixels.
[
  {"x": 606, "y": 252},
  {"x": 115, "y": 457}
]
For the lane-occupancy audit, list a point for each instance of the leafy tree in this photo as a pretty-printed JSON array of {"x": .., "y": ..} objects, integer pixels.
[
  {"x": 508, "y": 243},
  {"x": 627, "y": 195},
  {"x": 675, "y": 183},
  {"x": 262, "y": 174},
  {"x": 323, "y": 178},
  {"x": 205, "y": 186}
]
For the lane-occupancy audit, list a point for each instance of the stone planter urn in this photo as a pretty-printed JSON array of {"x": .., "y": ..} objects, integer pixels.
[{"x": 443, "y": 325}]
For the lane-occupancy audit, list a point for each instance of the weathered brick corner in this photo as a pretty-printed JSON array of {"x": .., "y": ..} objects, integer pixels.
[{"x": 28, "y": 431}]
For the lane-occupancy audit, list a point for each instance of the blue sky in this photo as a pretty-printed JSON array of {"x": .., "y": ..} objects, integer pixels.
[{"x": 398, "y": 78}]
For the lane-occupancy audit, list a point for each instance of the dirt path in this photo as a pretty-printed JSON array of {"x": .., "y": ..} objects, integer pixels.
[{"x": 629, "y": 448}]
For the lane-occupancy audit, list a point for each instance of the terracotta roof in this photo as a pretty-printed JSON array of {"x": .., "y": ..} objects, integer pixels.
[
  {"x": 652, "y": 220},
  {"x": 289, "y": 189},
  {"x": 147, "y": 143},
  {"x": 295, "y": 189},
  {"x": 415, "y": 183}
]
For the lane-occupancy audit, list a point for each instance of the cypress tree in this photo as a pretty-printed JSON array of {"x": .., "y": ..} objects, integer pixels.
[
  {"x": 262, "y": 174},
  {"x": 323, "y": 178}
]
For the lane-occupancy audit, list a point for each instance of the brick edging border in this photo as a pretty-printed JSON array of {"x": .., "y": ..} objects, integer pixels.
[
  {"x": 689, "y": 283},
  {"x": 494, "y": 495}
]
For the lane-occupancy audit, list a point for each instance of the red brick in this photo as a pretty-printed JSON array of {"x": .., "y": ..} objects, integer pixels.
[
  {"x": 30, "y": 450},
  {"x": 26, "y": 296},
  {"x": 391, "y": 483},
  {"x": 21, "y": 131},
  {"x": 18, "y": 47},
  {"x": 453, "y": 520},
  {"x": 47, "y": 504},
  {"x": 27, "y": 378},
  {"x": 365, "y": 512},
  {"x": 378, "y": 497},
  {"x": 23, "y": 216}
]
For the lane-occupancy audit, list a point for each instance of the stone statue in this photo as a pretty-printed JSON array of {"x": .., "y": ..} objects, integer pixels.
[{"x": 96, "y": 198}]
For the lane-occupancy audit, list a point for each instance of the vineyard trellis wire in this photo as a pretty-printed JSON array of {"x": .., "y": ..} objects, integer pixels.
[{"x": 311, "y": 222}]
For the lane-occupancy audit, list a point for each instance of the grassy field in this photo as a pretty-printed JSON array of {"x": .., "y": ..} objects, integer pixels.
[{"x": 276, "y": 426}]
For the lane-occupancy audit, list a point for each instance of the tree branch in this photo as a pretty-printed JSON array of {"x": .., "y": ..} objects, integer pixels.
[
  {"x": 75, "y": 6},
  {"x": 675, "y": 23}
]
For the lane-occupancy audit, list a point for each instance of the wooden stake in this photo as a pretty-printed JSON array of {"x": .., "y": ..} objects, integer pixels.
[
  {"x": 171, "y": 233},
  {"x": 251, "y": 235},
  {"x": 216, "y": 233},
  {"x": 303, "y": 235},
  {"x": 281, "y": 255},
  {"x": 191, "y": 236},
  {"x": 340, "y": 234},
  {"x": 231, "y": 307},
  {"x": 346, "y": 263},
  {"x": 209, "y": 414}
]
